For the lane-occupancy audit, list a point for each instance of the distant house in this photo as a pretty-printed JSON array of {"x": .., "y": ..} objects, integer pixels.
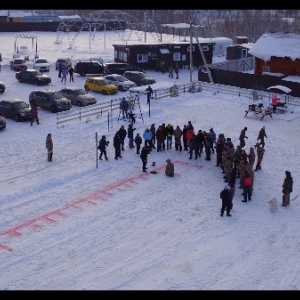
[
  {"x": 221, "y": 43},
  {"x": 159, "y": 56},
  {"x": 277, "y": 53},
  {"x": 238, "y": 51}
]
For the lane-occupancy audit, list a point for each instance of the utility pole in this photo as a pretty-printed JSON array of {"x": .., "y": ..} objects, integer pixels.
[{"x": 191, "y": 52}]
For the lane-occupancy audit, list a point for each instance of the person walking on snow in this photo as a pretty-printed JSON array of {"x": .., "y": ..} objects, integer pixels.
[
  {"x": 34, "y": 115},
  {"x": 261, "y": 136},
  {"x": 71, "y": 73},
  {"x": 103, "y": 143},
  {"x": 242, "y": 137},
  {"x": 287, "y": 188},
  {"x": 49, "y": 146}
]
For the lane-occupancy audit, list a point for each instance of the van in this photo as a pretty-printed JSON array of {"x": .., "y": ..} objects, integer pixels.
[
  {"x": 84, "y": 67},
  {"x": 117, "y": 68}
]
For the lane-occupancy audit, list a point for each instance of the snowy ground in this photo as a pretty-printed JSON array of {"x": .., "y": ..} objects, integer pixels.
[{"x": 68, "y": 225}]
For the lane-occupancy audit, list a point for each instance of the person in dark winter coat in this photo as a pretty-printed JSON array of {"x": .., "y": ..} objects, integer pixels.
[
  {"x": 122, "y": 133},
  {"x": 220, "y": 148},
  {"x": 247, "y": 184},
  {"x": 260, "y": 154},
  {"x": 138, "y": 142},
  {"x": 124, "y": 107},
  {"x": 71, "y": 73},
  {"x": 103, "y": 143},
  {"x": 184, "y": 139},
  {"x": 159, "y": 134},
  {"x": 242, "y": 137},
  {"x": 59, "y": 70},
  {"x": 49, "y": 146},
  {"x": 149, "y": 93},
  {"x": 261, "y": 136},
  {"x": 130, "y": 132},
  {"x": 144, "y": 157},
  {"x": 177, "y": 136},
  {"x": 131, "y": 116},
  {"x": 177, "y": 70},
  {"x": 194, "y": 147},
  {"x": 153, "y": 130},
  {"x": 287, "y": 188},
  {"x": 226, "y": 201},
  {"x": 169, "y": 171},
  {"x": 34, "y": 115},
  {"x": 117, "y": 145},
  {"x": 170, "y": 132},
  {"x": 207, "y": 145}
]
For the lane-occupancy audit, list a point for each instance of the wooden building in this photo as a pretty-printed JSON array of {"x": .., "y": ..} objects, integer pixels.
[
  {"x": 238, "y": 51},
  {"x": 277, "y": 54},
  {"x": 159, "y": 56}
]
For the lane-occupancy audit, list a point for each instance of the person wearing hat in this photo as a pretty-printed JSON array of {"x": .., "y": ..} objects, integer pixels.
[
  {"x": 169, "y": 171},
  {"x": 261, "y": 136},
  {"x": 226, "y": 201},
  {"x": 103, "y": 143}
]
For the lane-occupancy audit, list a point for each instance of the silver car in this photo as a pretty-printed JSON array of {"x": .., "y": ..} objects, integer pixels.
[
  {"x": 120, "y": 81},
  {"x": 78, "y": 96}
]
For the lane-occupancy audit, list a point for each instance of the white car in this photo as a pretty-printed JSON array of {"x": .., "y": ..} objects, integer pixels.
[
  {"x": 42, "y": 65},
  {"x": 120, "y": 81}
]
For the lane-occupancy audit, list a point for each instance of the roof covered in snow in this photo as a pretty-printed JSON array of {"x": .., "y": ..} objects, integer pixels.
[{"x": 277, "y": 44}]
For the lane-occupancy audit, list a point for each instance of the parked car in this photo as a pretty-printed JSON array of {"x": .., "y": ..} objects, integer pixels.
[
  {"x": 49, "y": 99},
  {"x": 100, "y": 84},
  {"x": 2, "y": 87},
  {"x": 84, "y": 67},
  {"x": 78, "y": 96},
  {"x": 42, "y": 65},
  {"x": 118, "y": 68},
  {"x": 33, "y": 76},
  {"x": 122, "y": 82},
  {"x": 63, "y": 61},
  {"x": 15, "y": 109},
  {"x": 2, "y": 122},
  {"x": 139, "y": 78},
  {"x": 18, "y": 64}
]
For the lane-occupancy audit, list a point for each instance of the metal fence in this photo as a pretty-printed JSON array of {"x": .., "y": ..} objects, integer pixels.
[{"x": 107, "y": 108}]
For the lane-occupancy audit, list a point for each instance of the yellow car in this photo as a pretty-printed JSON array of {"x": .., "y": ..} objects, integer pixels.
[{"x": 101, "y": 85}]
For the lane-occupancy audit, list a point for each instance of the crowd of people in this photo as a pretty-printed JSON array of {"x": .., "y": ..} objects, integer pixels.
[{"x": 236, "y": 164}]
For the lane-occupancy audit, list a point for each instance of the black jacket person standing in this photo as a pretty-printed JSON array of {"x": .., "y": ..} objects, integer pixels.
[
  {"x": 144, "y": 157},
  {"x": 226, "y": 201}
]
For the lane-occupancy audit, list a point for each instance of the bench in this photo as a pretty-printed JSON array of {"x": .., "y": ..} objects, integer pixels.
[
  {"x": 281, "y": 107},
  {"x": 259, "y": 109}
]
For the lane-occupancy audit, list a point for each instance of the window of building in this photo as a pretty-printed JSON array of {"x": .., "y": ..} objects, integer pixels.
[
  {"x": 244, "y": 53},
  {"x": 177, "y": 56},
  {"x": 142, "y": 58},
  {"x": 266, "y": 69}
]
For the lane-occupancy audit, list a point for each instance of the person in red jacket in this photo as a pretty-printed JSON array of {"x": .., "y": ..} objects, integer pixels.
[
  {"x": 275, "y": 100},
  {"x": 247, "y": 187}
]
